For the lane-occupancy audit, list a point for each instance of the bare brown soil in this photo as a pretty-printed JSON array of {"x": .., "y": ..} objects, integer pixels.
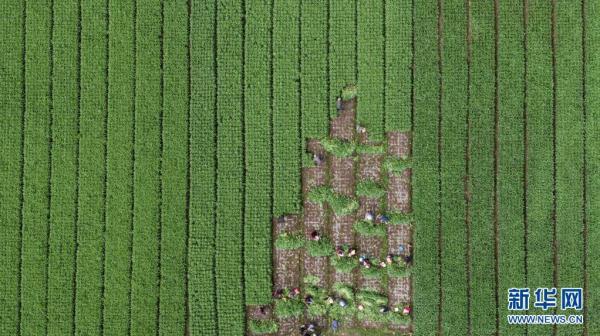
[
  {"x": 287, "y": 269},
  {"x": 399, "y": 144},
  {"x": 342, "y": 127},
  {"x": 399, "y": 190},
  {"x": 342, "y": 175}
]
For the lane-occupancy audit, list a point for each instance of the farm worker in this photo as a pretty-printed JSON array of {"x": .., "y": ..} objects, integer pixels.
[
  {"x": 360, "y": 129},
  {"x": 318, "y": 159},
  {"x": 360, "y": 307},
  {"x": 352, "y": 252},
  {"x": 406, "y": 310},
  {"x": 383, "y": 218},
  {"x": 295, "y": 292},
  {"x": 384, "y": 309},
  {"x": 330, "y": 300},
  {"x": 369, "y": 216},
  {"x": 278, "y": 293},
  {"x": 362, "y": 259},
  {"x": 338, "y": 103},
  {"x": 382, "y": 264},
  {"x": 408, "y": 259},
  {"x": 404, "y": 248},
  {"x": 396, "y": 309},
  {"x": 334, "y": 325},
  {"x": 343, "y": 303},
  {"x": 315, "y": 235},
  {"x": 308, "y": 300},
  {"x": 389, "y": 259},
  {"x": 367, "y": 263},
  {"x": 281, "y": 219},
  {"x": 339, "y": 251}
]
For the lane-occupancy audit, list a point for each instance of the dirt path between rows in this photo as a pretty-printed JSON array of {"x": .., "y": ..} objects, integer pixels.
[
  {"x": 399, "y": 199},
  {"x": 287, "y": 269}
]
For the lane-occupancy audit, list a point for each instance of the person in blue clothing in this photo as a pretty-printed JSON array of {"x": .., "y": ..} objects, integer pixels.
[{"x": 334, "y": 325}]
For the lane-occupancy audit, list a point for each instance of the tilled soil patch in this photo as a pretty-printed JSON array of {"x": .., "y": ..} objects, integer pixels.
[
  {"x": 341, "y": 230},
  {"x": 369, "y": 167},
  {"x": 253, "y": 312},
  {"x": 342, "y": 126},
  {"x": 399, "y": 144},
  {"x": 287, "y": 269},
  {"x": 399, "y": 190},
  {"x": 342, "y": 175}
]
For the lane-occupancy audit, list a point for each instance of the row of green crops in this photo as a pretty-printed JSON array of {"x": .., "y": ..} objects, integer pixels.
[
  {"x": 230, "y": 190},
  {"x": 202, "y": 296},
  {"x": 426, "y": 179},
  {"x": 286, "y": 114},
  {"x": 147, "y": 180},
  {"x": 371, "y": 66},
  {"x": 92, "y": 165},
  {"x": 342, "y": 51},
  {"x": 453, "y": 140},
  {"x": 119, "y": 189},
  {"x": 398, "y": 63},
  {"x": 64, "y": 169},
  {"x": 539, "y": 151},
  {"x": 172, "y": 309},
  {"x": 314, "y": 99},
  {"x": 10, "y": 163},
  {"x": 592, "y": 146},
  {"x": 36, "y": 169},
  {"x": 257, "y": 227},
  {"x": 481, "y": 170},
  {"x": 569, "y": 151},
  {"x": 509, "y": 156}
]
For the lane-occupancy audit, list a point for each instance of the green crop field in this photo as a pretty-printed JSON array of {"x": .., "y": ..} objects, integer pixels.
[{"x": 147, "y": 146}]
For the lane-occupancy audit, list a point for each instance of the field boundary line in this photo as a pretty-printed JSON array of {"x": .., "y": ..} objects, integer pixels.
[
  {"x": 78, "y": 179},
  {"x": 440, "y": 46},
  {"x": 105, "y": 183},
  {"x": 412, "y": 70},
  {"x": 525, "y": 144},
  {"x": 496, "y": 161},
  {"x": 244, "y": 22},
  {"x": 384, "y": 64},
  {"x": 133, "y": 155},
  {"x": 22, "y": 163},
  {"x": 356, "y": 41},
  {"x": 161, "y": 160},
  {"x": 585, "y": 163},
  {"x": 553, "y": 35},
  {"x": 50, "y": 149},
  {"x": 188, "y": 172},
  {"x": 272, "y": 135},
  {"x": 215, "y": 161},
  {"x": 467, "y": 180},
  {"x": 328, "y": 61}
]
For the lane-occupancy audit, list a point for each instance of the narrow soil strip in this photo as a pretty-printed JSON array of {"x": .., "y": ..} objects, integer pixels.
[
  {"x": 369, "y": 246},
  {"x": 342, "y": 182},
  {"x": 342, "y": 175},
  {"x": 399, "y": 199},
  {"x": 342, "y": 127},
  {"x": 254, "y": 312},
  {"x": 369, "y": 169},
  {"x": 314, "y": 213},
  {"x": 286, "y": 266}
]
